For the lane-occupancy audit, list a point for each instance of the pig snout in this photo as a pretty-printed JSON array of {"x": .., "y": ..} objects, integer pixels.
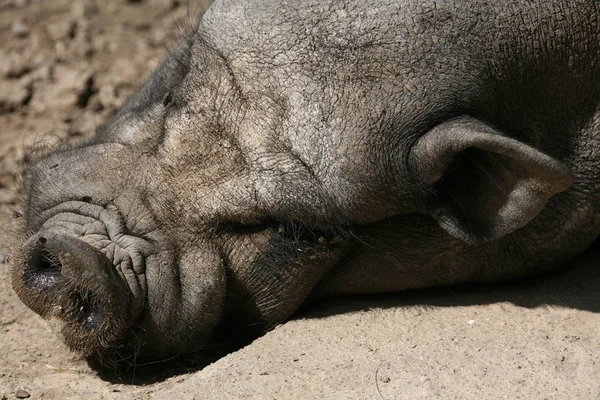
[
  {"x": 71, "y": 282},
  {"x": 56, "y": 259}
]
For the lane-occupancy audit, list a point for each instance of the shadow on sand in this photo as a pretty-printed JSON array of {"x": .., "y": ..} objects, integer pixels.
[{"x": 575, "y": 286}]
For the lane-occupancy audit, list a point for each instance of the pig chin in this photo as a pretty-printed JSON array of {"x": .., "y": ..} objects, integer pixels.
[{"x": 84, "y": 273}]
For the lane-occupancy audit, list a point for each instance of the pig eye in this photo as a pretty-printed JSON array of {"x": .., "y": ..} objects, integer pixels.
[
  {"x": 300, "y": 232},
  {"x": 289, "y": 230}
]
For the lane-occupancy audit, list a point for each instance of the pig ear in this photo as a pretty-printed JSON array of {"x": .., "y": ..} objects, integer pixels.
[{"x": 485, "y": 185}]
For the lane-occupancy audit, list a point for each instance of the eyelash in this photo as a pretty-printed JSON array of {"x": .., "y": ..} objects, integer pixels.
[
  {"x": 300, "y": 232},
  {"x": 290, "y": 230}
]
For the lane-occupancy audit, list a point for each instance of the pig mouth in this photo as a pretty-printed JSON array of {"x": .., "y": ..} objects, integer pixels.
[{"x": 84, "y": 273}]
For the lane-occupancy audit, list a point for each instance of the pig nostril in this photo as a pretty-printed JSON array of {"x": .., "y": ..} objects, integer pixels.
[
  {"x": 44, "y": 269},
  {"x": 42, "y": 240},
  {"x": 89, "y": 310}
]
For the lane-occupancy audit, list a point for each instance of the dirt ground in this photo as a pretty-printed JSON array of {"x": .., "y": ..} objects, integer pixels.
[{"x": 64, "y": 65}]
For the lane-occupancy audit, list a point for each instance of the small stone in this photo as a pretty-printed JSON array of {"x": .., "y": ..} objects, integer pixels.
[
  {"x": 19, "y": 29},
  {"x": 22, "y": 394}
]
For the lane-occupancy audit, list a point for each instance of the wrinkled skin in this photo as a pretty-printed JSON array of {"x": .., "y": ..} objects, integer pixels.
[{"x": 290, "y": 151}]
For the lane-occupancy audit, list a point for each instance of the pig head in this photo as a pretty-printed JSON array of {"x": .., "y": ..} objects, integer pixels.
[{"x": 289, "y": 151}]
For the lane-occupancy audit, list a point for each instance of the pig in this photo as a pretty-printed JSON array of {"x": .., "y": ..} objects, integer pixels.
[{"x": 291, "y": 151}]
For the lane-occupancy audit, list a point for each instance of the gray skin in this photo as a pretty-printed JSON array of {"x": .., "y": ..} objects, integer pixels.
[{"x": 296, "y": 150}]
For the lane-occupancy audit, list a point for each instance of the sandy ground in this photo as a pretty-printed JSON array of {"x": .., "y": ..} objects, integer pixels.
[{"x": 64, "y": 65}]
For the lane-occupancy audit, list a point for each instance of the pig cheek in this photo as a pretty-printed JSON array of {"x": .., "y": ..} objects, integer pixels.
[{"x": 185, "y": 300}]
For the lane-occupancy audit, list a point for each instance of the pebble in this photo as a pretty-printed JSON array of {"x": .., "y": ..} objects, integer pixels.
[
  {"x": 22, "y": 394},
  {"x": 19, "y": 29}
]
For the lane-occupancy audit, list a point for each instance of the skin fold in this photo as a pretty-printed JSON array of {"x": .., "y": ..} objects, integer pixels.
[{"x": 289, "y": 151}]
